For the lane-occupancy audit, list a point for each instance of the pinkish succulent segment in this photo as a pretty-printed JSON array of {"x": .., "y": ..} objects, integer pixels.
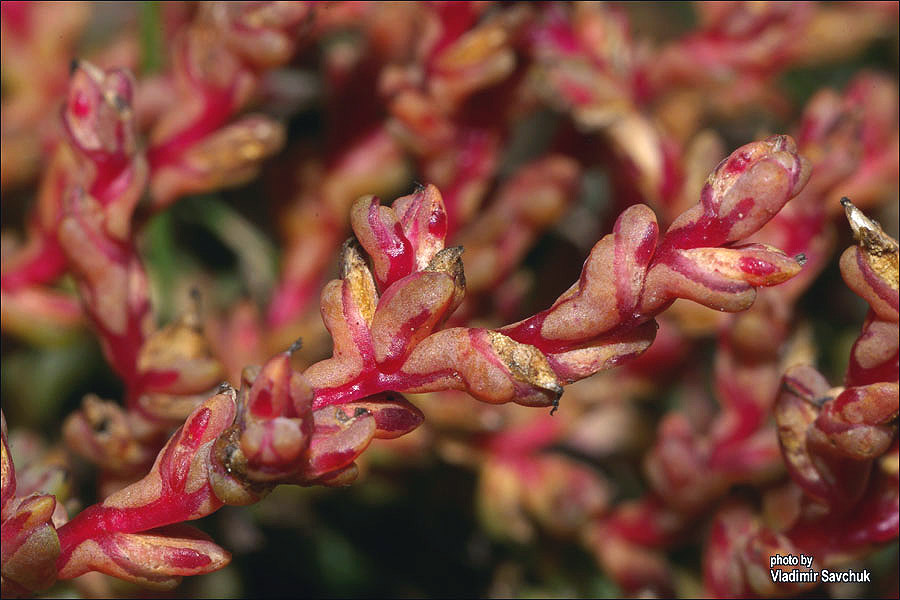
[
  {"x": 95, "y": 224},
  {"x": 832, "y": 437},
  {"x": 30, "y": 544},
  {"x": 99, "y": 126},
  {"x": 94, "y": 233},
  {"x": 597, "y": 323},
  {"x": 456, "y": 75},
  {"x": 121, "y": 535},
  {"x": 838, "y": 444},
  {"x": 111, "y": 281},
  {"x": 628, "y": 277},
  {"x": 288, "y": 427},
  {"x": 218, "y": 62},
  {"x": 232, "y": 449}
]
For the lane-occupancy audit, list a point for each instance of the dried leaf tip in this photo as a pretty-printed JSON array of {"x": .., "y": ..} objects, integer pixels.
[
  {"x": 447, "y": 261},
  {"x": 351, "y": 257},
  {"x": 526, "y": 363},
  {"x": 868, "y": 232}
]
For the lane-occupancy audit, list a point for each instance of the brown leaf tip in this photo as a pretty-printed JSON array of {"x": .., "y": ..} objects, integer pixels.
[
  {"x": 868, "y": 232},
  {"x": 449, "y": 261},
  {"x": 525, "y": 362},
  {"x": 881, "y": 250},
  {"x": 351, "y": 258}
]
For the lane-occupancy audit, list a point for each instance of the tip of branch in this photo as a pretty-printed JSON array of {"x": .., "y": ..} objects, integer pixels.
[
  {"x": 858, "y": 221},
  {"x": 868, "y": 232},
  {"x": 801, "y": 259},
  {"x": 298, "y": 343},
  {"x": 351, "y": 257},
  {"x": 73, "y": 66},
  {"x": 555, "y": 404}
]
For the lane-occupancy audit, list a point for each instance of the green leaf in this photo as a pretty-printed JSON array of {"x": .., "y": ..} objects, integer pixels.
[
  {"x": 151, "y": 37},
  {"x": 161, "y": 256}
]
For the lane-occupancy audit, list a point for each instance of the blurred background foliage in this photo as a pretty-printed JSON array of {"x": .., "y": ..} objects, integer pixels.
[{"x": 407, "y": 530}]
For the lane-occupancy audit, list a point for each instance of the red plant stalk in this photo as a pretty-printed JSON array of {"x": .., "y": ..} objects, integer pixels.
[
  {"x": 513, "y": 466},
  {"x": 730, "y": 63},
  {"x": 515, "y": 488},
  {"x": 455, "y": 138},
  {"x": 28, "y": 532},
  {"x": 291, "y": 427},
  {"x": 425, "y": 117},
  {"x": 37, "y": 42},
  {"x": 692, "y": 464},
  {"x": 95, "y": 227},
  {"x": 218, "y": 61},
  {"x": 98, "y": 155},
  {"x": 163, "y": 370},
  {"x": 688, "y": 468},
  {"x": 750, "y": 355},
  {"x": 839, "y": 445}
]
